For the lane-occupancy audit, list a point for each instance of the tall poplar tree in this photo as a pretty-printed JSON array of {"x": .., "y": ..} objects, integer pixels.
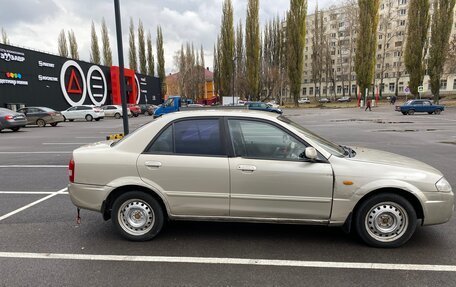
[
  {"x": 226, "y": 50},
  {"x": 296, "y": 39},
  {"x": 73, "y": 45},
  {"x": 442, "y": 22},
  {"x": 132, "y": 53},
  {"x": 5, "y": 39},
  {"x": 252, "y": 44},
  {"x": 150, "y": 57},
  {"x": 416, "y": 47},
  {"x": 94, "y": 48},
  {"x": 62, "y": 44},
  {"x": 142, "y": 49},
  {"x": 366, "y": 43},
  {"x": 240, "y": 80},
  {"x": 107, "y": 54},
  {"x": 161, "y": 58}
]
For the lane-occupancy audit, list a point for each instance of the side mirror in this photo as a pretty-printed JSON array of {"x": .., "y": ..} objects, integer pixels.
[{"x": 311, "y": 153}]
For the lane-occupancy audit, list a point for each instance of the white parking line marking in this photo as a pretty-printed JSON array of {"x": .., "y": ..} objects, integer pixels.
[
  {"x": 32, "y": 204},
  {"x": 31, "y": 192},
  {"x": 233, "y": 261},
  {"x": 34, "y": 152},
  {"x": 63, "y": 143},
  {"x": 33, "y": 166}
]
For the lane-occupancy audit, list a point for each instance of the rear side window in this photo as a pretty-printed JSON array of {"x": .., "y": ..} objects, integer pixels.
[{"x": 192, "y": 137}]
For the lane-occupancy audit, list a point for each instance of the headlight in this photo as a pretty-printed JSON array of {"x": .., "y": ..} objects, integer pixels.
[{"x": 443, "y": 185}]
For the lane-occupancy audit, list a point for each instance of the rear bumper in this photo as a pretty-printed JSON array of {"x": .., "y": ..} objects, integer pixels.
[
  {"x": 88, "y": 196},
  {"x": 14, "y": 124}
]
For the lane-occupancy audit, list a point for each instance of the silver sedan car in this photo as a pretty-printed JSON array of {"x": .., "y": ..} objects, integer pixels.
[{"x": 249, "y": 166}]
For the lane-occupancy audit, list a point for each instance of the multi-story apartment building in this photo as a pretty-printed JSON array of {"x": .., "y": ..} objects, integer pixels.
[{"x": 338, "y": 48}]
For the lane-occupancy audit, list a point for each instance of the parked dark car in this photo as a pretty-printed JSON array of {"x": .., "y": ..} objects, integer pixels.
[
  {"x": 419, "y": 106},
  {"x": 324, "y": 100},
  {"x": 41, "y": 116},
  {"x": 260, "y": 106},
  {"x": 11, "y": 120},
  {"x": 147, "y": 109}
]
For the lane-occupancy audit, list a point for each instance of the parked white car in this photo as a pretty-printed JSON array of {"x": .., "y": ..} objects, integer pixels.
[
  {"x": 273, "y": 104},
  {"x": 304, "y": 101},
  {"x": 89, "y": 113},
  {"x": 114, "y": 111},
  {"x": 224, "y": 165}
]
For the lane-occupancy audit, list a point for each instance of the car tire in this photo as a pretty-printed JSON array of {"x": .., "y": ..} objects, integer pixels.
[
  {"x": 64, "y": 119},
  {"x": 404, "y": 113},
  {"x": 97, "y": 119},
  {"x": 135, "y": 115},
  {"x": 54, "y": 124},
  {"x": 438, "y": 111},
  {"x": 386, "y": 220},
  {"x": 89, "y": 118},
  {"x": 430, "y": 113},
  {"x": 149, "y": 113},
  {"x": 117, "y": 116},
  {"x": 137, "y": 216},
  {"x": 41, "y": 123},
  {"x": 71, "y": 120},
  {"x": 411, "y": 112},
  {"x": 15, "y": 129}
]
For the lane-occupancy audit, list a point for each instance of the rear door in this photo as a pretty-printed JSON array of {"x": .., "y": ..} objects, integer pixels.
[{"x": 187, "y": 162}]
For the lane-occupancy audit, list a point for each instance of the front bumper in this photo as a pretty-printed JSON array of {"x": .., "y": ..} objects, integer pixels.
[
  {"x": 438, "y": 208},
  {"x": 88, "y": 196}
]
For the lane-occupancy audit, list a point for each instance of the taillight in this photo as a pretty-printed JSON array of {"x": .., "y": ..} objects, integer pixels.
[
  {"x": 51, "y": 114},
  {"x": 71, "y": 168},
  {"x": 8, "y": 117}
]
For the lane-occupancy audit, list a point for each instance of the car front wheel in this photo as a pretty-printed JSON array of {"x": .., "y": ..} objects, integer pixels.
[
  {"x": 437, "y": 112},
  {"x": 117, "y": 116},
  {"x": 89, "y": 118},
  {"x": 411, "y": 112},
  {"x": 137, "y": 216},
  {"x": 385, "y": 220}
]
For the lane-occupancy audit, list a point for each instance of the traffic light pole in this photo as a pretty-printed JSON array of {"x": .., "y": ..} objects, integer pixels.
[{"x": 123, "y": 95}]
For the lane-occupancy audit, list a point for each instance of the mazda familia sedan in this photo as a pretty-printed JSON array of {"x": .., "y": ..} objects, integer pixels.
[{"x": 250, "y": 166}]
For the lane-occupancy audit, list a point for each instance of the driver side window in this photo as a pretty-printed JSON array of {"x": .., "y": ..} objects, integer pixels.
[{"x": 260, "y": 140}]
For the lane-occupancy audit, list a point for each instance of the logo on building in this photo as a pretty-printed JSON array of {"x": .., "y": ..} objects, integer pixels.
[
  {"x": 8, "y": 56},
  {"x": 75, "y": 85},
  {"x": 47, "y": 78},
  {"x": 10, "y": 75},
  {"x": 46, "y": 64}
]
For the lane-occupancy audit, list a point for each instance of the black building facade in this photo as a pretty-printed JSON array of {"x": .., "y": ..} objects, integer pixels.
[{"x": 33, "y": 78}]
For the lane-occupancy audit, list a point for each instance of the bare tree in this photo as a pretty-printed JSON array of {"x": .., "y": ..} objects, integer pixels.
[
  {"x": 73, "y": 45},
  {"x": 107, "y": 54},
  {"x": 5, "y": 39},
  {"x": 62, "y": 44}
]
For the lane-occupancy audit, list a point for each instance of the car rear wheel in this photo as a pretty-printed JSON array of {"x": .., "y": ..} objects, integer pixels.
[
  {"x": 41, "y": 123},
  {"x": 430, "y": 113},
  {"x": 15, "y": 129},
  {"x": 137, "y": 216},
  {"x": 117, "y": 116},
  {"x": 437, "y": 112},
  {"x": 385, "y": 220},
  {"x": 89, "y": 118},
  {"x": 54, "y": 124},
  {"x": 404, "y": 113},
  {"x": 71, "y": 120}
]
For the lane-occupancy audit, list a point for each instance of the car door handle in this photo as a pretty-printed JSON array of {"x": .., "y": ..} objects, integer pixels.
[
  {"x": 244, "y": 167},
  {"x": 155, "y": 164}
]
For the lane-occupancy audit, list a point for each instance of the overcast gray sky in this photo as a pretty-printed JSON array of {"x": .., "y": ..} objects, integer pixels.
[{"x": 36, "y": 23}]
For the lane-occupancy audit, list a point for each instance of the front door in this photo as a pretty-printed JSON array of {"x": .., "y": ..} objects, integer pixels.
[
  {"x": 187, "y": 163},
  {"x": 269, "y": 177}
]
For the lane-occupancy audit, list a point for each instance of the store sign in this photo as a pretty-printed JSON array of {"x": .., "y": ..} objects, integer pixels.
[
  {"x": 47, "y": 78},
  {"x": 76, "y": 87},
  {"x": 8, "y": 56},
  {"x": 46, "y": 64},
  {"x": 13, "y": 79}
]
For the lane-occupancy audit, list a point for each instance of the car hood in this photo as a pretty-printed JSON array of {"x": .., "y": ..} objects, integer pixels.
[{"x": 392, "y": 159}]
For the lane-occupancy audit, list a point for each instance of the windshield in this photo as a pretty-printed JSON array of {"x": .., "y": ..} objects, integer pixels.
[{"x": 325, "y": 144}]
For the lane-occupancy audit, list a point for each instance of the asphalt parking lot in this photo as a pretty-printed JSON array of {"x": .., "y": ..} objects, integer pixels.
[{"x": 41, "y": 244}]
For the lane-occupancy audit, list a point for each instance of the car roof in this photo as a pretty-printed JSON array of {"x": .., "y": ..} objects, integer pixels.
[{"x": 221, "y": 113}]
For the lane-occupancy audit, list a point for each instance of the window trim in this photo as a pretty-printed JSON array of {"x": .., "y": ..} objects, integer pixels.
[{"x": 223, "y": 138}]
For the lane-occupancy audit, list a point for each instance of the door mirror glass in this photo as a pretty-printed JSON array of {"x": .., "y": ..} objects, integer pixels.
[{"x": 311, "y": 153}]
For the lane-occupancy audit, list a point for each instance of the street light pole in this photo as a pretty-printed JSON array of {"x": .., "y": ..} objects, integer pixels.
[{"x": 123, "y": 95}]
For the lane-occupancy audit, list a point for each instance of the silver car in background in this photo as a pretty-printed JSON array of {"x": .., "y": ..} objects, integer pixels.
[
  {"x": 248, "y": 166},
  {"x": 11, "y": 120}
]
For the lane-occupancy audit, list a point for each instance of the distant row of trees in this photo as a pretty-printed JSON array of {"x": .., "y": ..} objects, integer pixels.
[
  {"x": 4, "y": 38},
  {"x": 255, "y": 65}
]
